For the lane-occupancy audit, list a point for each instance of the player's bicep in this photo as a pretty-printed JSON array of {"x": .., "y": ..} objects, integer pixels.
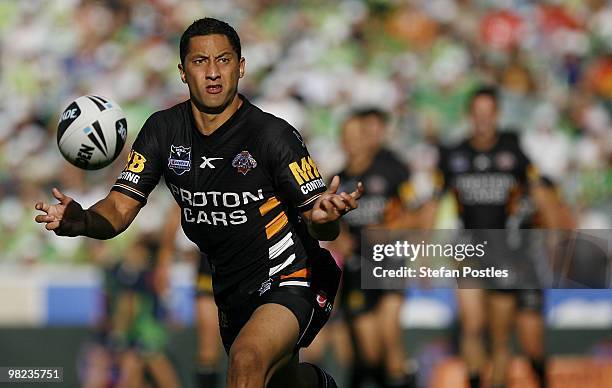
[{"x": 143, "y": 168}]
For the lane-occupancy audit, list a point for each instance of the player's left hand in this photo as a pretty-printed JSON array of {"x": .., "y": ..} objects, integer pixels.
[{"x": 331, "y": 206}]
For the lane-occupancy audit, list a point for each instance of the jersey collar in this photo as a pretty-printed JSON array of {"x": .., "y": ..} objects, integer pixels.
[{"x": 227, "y": 124}]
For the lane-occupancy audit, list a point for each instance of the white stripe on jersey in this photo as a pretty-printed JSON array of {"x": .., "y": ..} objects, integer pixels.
[
  {"x": 275, "y": 250},
  {"x": 281, "y": 266},
  {"x": 309, "y": 200},
  {"x": 294, "y": 283},
  {"x": 133, "y": 190}
]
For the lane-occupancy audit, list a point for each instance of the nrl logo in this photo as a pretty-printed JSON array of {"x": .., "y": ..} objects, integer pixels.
[
  {"x": 244, "y": 162},
  {"x": 180, "y": 159}
]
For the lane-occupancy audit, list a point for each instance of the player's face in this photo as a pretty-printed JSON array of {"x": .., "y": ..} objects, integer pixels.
[
  {"x": 355, "y": 140},
  {"x": 483, "y": 114},
  {"x": 376, "y": 130},
  {"x": 212, "y": 70}
]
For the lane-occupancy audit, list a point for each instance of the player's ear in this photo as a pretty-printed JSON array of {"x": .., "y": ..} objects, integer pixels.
[
  {"x": 182, "y": 73},
  {"x": 241, "y": 66}
]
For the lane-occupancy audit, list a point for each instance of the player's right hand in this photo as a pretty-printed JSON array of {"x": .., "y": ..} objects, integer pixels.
[
  {"x": 66, "y": 218},
  {"x": 330, "y": 206}
]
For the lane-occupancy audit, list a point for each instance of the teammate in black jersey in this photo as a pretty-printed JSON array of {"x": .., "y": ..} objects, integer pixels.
[
  {"x": 252, "y": 199},
  {"x": 486, "y": 173},
  {"x": 373, "y": 315}
]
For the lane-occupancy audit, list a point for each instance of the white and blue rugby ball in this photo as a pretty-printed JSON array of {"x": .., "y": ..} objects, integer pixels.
[{"x": 91, "y": 132}]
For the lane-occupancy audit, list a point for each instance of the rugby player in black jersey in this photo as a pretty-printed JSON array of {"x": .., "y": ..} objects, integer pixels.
[
  {"x": 486, "y": 173},
  {"x": 251, "y": 198},
  {"x": 373, "y": 315}
]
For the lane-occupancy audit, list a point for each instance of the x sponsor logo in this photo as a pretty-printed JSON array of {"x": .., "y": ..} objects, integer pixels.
[{"x": 207, "y": 162}]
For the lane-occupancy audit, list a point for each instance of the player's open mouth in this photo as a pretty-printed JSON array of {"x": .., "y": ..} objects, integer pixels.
[{"x": 214, "y": 89}]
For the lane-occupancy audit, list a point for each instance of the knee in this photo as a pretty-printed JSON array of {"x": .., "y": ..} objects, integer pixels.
[
  {"x": 472, "y": 330},
  {"x": 473, "y": 326},
  {"x": 500, "y": 338},
  {"x": 246, "y": 362}
]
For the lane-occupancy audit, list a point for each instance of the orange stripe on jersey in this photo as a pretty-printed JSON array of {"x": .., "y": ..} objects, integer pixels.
[
  {"x": 300, "y": 273},
  {"x": 276, "y": 224},
  {"x": 270, "y": 204}
]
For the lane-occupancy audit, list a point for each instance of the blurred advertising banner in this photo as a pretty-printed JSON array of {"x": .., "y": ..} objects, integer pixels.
[
  {"x": 486, "y": 258},
  {"x": 74, "y": 295}
]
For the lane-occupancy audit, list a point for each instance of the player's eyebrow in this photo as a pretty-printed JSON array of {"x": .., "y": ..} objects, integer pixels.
[
  {"x": 222, "y": 54},
  {"x": 199, "y": 55}
]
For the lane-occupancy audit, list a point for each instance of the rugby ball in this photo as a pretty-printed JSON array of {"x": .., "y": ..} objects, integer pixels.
[{"x": 91, "y": 132}]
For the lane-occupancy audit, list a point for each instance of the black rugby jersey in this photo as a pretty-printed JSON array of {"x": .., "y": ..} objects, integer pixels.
[
  {"x": 385, "y": 181},
  {"x": 485, "y": 183},
  {"x": 240, "y": 189}
]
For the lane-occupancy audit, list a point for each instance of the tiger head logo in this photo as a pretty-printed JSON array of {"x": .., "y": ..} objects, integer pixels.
[{"x": 244, "y": 162}]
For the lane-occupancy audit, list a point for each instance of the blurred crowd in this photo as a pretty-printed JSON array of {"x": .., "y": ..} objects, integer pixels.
[{"x": 310, "y": 63}]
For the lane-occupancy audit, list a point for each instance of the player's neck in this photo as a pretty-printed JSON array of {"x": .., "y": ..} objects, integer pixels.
[
  {"x": 358, "y": 164},
  {"x": 484, "y": 143},
  {"x": 208, "y": 123}
]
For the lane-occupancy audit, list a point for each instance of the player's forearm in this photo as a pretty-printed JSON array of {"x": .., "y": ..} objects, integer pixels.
[
  {"x": 98, "y": 227},
  {"x": 110, "y": 216},
  {"x": 325, "y": 232},
  {"x": 106, "y": 219}
]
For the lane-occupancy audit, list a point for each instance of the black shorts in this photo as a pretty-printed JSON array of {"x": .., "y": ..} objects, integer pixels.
[
  {"x": 311, "y": 305},
  {"x": 526, "y": 299},
  {"x": 204, "y": 280},
  {"x": 354, "y": 300}
]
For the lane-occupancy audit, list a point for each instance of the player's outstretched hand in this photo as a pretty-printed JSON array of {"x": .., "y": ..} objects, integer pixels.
[
  {"x": 330, "y": 206},
  {"x": 65, "y": 218}
]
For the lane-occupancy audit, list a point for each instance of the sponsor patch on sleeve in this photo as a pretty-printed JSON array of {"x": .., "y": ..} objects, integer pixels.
[{"x": 306, "y": 175}]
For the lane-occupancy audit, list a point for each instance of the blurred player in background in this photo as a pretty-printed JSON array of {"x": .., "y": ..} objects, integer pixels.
[
  {"x": 373, "y": 315},
  {"x": 486, "y": 174},
  {"x": 530, "y": 325},
  {"x": 132, "y": 333},
  {"x": 208, "y": 352},
  {"x": 252, "y": 199},
  {"x": 96, "y": 364}
]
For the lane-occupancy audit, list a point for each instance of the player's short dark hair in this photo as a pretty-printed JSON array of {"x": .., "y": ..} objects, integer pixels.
[
  {"x": 209, "y": 26},
  {"x": 371, "y": 111},
  {"x": 483, "y": 90}
]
